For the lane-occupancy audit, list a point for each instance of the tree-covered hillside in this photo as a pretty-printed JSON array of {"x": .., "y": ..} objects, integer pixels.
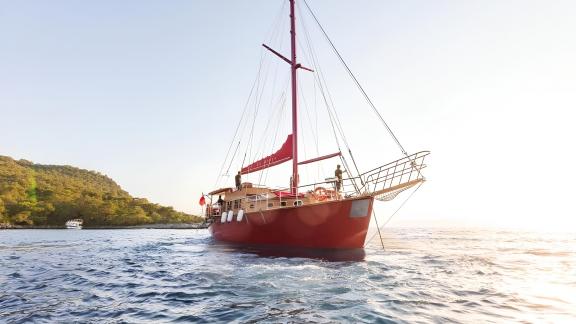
[{"x": 35, "y": 194}]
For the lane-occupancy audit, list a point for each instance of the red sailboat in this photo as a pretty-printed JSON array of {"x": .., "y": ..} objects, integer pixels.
[{"x": 330, "y": 214}]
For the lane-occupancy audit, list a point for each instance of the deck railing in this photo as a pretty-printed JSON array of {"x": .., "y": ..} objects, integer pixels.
[
  {"x": 384, "y": 182},
  {"x": 394, "y": 174}
]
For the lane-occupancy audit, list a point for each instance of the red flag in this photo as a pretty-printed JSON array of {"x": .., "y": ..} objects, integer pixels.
[{"x": 202, "y": 201}]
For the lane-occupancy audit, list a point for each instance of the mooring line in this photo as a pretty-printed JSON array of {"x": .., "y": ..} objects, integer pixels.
[{"x": 390, "y": 218}]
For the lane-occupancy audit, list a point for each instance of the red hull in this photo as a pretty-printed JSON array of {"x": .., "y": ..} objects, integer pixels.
[{"x": 339, "y": 224}]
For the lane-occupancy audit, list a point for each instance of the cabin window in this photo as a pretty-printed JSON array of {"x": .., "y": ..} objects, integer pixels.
[
  {"x": 283, "y": 203},
  {"x": 270, "y": 205},
  {"x": 236, "y": 204},
  {"x": 228, "y": 205},
  {"x": 255, "y": 197},
  {"x": 251, "y": 205},
  {"x": 298, "y": 203}
]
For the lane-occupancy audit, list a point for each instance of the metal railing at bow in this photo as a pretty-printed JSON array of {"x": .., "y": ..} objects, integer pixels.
[{"x": 396, "y": 175}]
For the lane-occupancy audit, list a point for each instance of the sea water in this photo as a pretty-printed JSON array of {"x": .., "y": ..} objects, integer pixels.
[{"x": 422, "y": 276}]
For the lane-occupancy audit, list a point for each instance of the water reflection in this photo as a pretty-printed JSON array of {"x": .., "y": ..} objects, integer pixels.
[{"x": 270, "y": 251}]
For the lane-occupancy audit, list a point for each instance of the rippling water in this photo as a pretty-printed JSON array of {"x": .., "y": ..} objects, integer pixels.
[{"x": 424, "y": 275}]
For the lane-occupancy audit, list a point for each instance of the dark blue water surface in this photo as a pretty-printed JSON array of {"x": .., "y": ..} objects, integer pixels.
[{"x": 424, "y": 275}]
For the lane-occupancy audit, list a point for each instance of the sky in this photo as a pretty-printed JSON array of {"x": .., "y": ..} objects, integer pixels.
[{"x": 150, "y": 92}]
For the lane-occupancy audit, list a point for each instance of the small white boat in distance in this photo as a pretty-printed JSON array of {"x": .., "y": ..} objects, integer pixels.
[{"x": 74, "y": 224}]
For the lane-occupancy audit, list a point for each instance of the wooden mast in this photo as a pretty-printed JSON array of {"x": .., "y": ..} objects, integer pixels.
[{"x": 294, "y": 67}]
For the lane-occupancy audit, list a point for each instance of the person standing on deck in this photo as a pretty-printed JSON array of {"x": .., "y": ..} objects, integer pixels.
[
  {"x": 338, "y": 175},
  {"x": 238, "y": 180}
]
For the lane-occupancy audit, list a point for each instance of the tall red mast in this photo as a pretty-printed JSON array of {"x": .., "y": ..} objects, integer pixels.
[{"x": 294, "y": 67}]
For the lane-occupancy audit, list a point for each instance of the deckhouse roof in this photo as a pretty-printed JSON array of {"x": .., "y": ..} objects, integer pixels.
[{"x": 221, "y": 190}]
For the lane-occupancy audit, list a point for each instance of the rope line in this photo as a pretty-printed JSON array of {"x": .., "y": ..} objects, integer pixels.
[
  {"x": 239, "y": 123},
  {"x": 274, "y": 35},
  {"x": 275, "y": 31},
  {"x": 390, "y": 218},
  {"x": 356, "y": 80},
  {"x": 330, "y": 107},
  {"x": 378, "y": 227}
]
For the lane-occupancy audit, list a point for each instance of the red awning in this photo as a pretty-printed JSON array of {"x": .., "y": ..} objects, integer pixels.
[{"x": 282, "y": 155}]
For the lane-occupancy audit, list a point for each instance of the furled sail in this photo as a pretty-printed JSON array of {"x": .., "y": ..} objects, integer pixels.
[{"x": 282, "y": 155}]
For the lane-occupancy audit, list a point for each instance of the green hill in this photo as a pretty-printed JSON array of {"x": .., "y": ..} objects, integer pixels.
[{"x": 35, "y": 194}]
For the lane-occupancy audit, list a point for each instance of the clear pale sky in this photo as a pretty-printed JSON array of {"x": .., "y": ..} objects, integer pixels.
[{"x": 149, "y": 92}]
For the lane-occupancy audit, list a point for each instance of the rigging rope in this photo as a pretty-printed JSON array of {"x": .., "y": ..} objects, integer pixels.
[
  {"x": 257, "y": 104},
  {"x": 394, "y": 213},
  {"x": 238, "y": 126},
  {"x": 281, "y": 109},
  {"x": 330, "y": 107},
  {"x": 356, "y": 81},
  {"x": 378, "y": 227},
  {"x": 243, "y": 122},
  {"x": 278, "y": 109},
  {"x": 261, "y": 86}
]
